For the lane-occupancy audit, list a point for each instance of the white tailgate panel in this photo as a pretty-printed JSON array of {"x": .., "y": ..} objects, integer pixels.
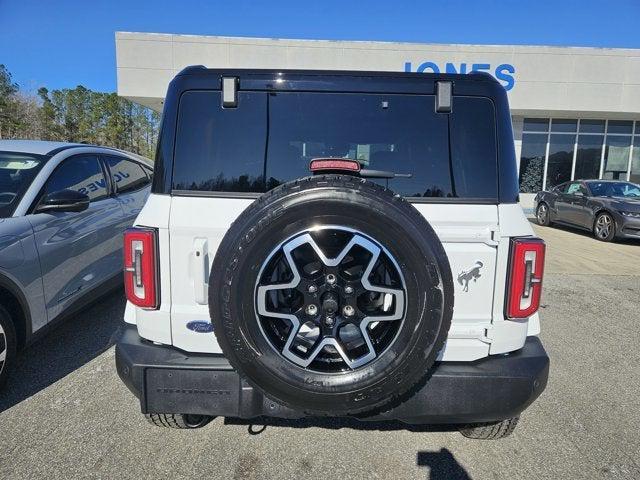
[
  {"x": 197, "y": 226},
  {"x": 467, "y": 233}
]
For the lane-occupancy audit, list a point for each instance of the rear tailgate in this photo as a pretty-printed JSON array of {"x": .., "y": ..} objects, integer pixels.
[{"x": 468, "y": 233}]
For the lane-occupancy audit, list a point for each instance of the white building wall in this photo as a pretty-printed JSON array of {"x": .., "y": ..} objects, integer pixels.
[{"x": 557, "y": 81}]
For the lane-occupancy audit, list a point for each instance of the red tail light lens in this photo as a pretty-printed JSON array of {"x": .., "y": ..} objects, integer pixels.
[
  {"x": 140, "y": 267},
  {"x": 525, "y": 277}
]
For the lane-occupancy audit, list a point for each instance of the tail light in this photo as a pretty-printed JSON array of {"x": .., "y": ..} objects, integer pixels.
[
  {"x": 140, "y": 267},
  {"x": 323, "y": 165},
  {"x": 525, "y": 277}
]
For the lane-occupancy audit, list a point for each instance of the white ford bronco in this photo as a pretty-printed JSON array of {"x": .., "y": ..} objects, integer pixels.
[{"x": 334, "y": 244}]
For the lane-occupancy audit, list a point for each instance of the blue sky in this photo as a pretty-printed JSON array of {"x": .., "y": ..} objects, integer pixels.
[{"x": 65, "y": 43}]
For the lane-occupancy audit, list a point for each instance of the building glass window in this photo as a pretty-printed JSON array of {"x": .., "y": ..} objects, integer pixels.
[
  {"x": 534, "y": 149},
  {"x": 635, "y": 159},
  {"x": 562, "y": 125},
  {"x": 536, "y": 124},
  {"x": 592, "y": 126},
  {"x": 588, "y": 156},
  {"x": 616, "y": 157},
  {"x": 622, "y": 127},
  {"x": 560, "y": 150},
  {"x": 560, "y": 159}
]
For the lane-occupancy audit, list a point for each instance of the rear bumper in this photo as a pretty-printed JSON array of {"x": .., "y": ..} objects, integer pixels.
[{"x": 167, "y": 380}]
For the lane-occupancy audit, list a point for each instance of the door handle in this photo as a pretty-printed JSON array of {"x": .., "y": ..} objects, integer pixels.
[{"x": 200, "y": 271}]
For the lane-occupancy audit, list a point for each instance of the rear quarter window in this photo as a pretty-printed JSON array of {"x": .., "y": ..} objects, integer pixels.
[
  {"x": 220, "y": 149},
  {"x": 474, "y": 157},
  {"x": 128, "y": 176}
]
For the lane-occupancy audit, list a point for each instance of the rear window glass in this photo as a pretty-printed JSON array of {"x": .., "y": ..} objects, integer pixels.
[
  {"x": 270, "y": 139},
  {"x": 395, "y": 133}
]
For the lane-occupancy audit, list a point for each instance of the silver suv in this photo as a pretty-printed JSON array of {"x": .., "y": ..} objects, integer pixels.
[{"x": 63, "y": 208}]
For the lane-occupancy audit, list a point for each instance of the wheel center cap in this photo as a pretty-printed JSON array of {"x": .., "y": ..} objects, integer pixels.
[{"x": 330, "y": 303}]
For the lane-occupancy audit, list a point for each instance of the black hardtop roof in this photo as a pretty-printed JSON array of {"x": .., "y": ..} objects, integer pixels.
[
  {"x": 199, "y": 77},
  {"x": 270, "y": 72}
]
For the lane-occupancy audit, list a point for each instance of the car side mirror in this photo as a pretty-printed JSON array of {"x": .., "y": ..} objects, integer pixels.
[
  {"x": 578, "y": 193},
  {"x": 64, "y": 201}
]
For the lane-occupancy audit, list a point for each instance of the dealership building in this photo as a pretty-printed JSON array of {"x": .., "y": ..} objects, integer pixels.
[{"x": 575, "y": 111}]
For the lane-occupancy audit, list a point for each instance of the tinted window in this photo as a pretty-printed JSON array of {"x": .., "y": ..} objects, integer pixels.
[
  {"x": 401, "y": 134},
  {"x": 127, "y": 175},
  {"x": 220, "y": 149},
  {"x": 270, "y": 139},
  {"x": 17, "y": 171},
  {"x": 473, "y": 148},
  {"x": 82, "y": 173}
]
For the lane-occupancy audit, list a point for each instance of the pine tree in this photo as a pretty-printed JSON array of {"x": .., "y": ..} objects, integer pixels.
[{"x": 76, "y": 115}]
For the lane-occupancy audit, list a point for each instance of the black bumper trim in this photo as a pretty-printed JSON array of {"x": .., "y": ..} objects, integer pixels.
[{"x": 168, "y": 380}]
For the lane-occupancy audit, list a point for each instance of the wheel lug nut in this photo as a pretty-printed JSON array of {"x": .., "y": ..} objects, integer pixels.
[
  {"x": 311, "y": 309},
  {"x": 329, "y": 321},
  {"x": 331, "y": 279},
  {"x": 312, "y": 289},
  {"x": 348, "y": 311},
  {"x": 348, "y": 290}
]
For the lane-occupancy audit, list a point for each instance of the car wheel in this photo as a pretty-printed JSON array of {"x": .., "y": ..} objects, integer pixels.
[
  {"x": 7, "y": 344},
  {"x": 542, "y": 215},
  {"x": 177, "y": 420},
  {"x": 604, "y": 228},
  {"x": 331, "y": 295},
  {"x": 490, "y": 431}
]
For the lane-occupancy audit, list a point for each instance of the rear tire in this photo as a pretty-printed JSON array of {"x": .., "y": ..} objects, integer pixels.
[
  {"x": 7, "y": 344},
  {"x": 542, "y": 215},
  {"x": 177, "y": 420},
  {"x": 604, "y": 228},
  {"x": 490, "y": 431}
]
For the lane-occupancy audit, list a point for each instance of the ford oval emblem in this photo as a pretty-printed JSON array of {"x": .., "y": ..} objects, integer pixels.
[{"x": 200, "y": 326}]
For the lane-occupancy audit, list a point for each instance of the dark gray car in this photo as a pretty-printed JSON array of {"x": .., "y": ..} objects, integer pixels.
[
  {"x": 63, "y": 209},
  {"x": 608, "y": 208}
]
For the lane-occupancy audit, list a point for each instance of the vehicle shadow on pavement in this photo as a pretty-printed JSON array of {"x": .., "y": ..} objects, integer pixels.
[{"x": 65, "y": 348}]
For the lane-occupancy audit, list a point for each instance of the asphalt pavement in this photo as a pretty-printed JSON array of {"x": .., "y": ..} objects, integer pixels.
[{"x": 65, "y": 414}]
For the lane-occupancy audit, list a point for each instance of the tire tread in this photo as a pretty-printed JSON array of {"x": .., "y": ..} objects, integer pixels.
[
  {"x": 170, "y": 420},
  {"x": 490, "y": 431}
]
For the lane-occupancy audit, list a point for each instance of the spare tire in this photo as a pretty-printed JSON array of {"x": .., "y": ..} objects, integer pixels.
[{"x": 331, "y": 295}]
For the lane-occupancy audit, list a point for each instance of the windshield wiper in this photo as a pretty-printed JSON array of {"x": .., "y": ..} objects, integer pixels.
[{"x": 383, "y": 174}]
